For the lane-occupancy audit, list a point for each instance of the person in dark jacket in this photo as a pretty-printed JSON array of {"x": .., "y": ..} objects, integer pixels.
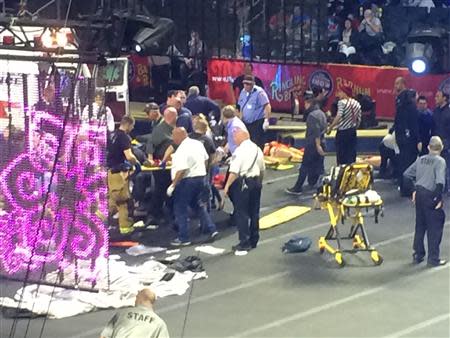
[
  {"x": 406, "y": 130},
  {"x": 426, "y": 124},
  {"x": 198, "y": 104},
  {"x": 441, "y": 117}
]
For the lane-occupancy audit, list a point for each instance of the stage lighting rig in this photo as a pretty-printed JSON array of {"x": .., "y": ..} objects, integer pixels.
[{"x": 425, "y": 50}]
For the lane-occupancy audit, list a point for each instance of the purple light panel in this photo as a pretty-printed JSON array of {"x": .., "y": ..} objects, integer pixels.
[{"x": 71, "y": 228}]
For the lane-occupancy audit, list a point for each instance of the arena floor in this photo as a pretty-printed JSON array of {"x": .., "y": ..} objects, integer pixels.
[{"x": 270, "y": 294}]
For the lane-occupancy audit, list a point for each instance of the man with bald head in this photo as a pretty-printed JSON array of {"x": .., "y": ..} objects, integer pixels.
[
  {"x": 189, "y": 186},
  {"x": 139, "y": 321},
  {"x": 243, "y": 186},
  {"x": 406, "y": 129}
]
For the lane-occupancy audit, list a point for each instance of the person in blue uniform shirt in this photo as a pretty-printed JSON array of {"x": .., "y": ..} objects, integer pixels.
[{"x": 255, "y": 110}]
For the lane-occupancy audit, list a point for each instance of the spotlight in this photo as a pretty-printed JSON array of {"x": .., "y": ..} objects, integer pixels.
[
  {"x": 138, "y": 48},
  {"x": 150, "y": 35},
  {"x": 61, "y": 39},
  {"x": 424, "y": 51},
  {"x": 419, "y": 66},
  {"x": 47, "y": 39}
]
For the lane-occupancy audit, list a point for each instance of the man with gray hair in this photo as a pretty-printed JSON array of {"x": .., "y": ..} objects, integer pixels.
[
  {"x": 199, "y": 104},
  {"x": 429, "y": 174}
]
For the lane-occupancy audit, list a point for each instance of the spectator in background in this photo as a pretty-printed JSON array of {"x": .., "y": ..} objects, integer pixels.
[
  {"x": 426, "y": 124},
  {"x": 192, "y": 70},
  {"x": 199, "y": 104},
  {"x": 371, "y": 37},
  {"x": 347, "y": 43}
]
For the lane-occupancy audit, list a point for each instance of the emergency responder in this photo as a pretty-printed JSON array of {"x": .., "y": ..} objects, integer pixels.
[
  {"x": 160, "y": 140},
  {"x": 428, "y": 171},
  {"x": 316, "y": 126},
  {"x": 231, "y": 121},
  {"x": 243, "y": 186},
  {"x": 255, "y": 110},
  {"x": 406, "y": 130},
  {"x": 138, "y": 321},
  {"x": 189, "y": 186},
  {"x": 119, "y": 151}
]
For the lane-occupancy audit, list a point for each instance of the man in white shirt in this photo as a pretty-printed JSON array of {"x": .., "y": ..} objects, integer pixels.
[
  {"x": 189, "y": 185},
  {"x": 243, "y": 186},
  {"x": 139, "y": 321}
]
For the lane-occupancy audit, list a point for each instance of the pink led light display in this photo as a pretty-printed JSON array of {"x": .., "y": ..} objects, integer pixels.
[{"x": 70, "y": 228}]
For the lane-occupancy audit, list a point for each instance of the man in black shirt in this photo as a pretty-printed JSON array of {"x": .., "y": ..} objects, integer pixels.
[
  {"x": 441, "y": 117},
  {"x": 406, "y": 130},
  {"x": 119, "y": 151}
]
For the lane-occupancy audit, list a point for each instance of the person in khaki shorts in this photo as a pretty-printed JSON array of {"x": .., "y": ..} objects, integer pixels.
[{"x": 119, "y": 152}]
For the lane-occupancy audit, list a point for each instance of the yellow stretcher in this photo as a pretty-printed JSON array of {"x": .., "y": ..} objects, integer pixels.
[{"x": 346, "y": 194}]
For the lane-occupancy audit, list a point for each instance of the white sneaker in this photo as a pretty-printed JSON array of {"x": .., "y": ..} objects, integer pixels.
[{"x": 240, "y": 252}]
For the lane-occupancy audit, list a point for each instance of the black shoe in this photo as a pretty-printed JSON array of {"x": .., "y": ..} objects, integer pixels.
[
  {"x": 212, "y": 237},
  {"x": 417, "y": 259},
  {"x": 440, "y": 262},
  {"x": 293, "y": 191}
]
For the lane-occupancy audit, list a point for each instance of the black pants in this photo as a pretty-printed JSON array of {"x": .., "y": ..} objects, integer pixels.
[
  {"x": 406, "y": 157},
  {"x": 429, "y": 221},
  {"x": 312, "y": 167},
  {"x": 159, "y": 195},
  {"x": 346, "y": 146},
  {"x": 256, "y": 131},
  {"x": 388, "y": 164},
  {"x": 246, "y": 202}
]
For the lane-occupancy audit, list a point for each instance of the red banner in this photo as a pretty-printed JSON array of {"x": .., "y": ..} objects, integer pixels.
[{"x": 282, "y": 80}]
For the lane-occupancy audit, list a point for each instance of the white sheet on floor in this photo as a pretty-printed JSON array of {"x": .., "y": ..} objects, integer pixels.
[
  {"x": 143, "y": 250},
  {"x": 210, "y": 250},
  {"x": 125, "y": 282}
]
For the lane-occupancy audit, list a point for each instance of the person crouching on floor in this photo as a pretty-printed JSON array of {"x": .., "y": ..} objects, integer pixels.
[
  {"x": 138, "y": 321},
  {"x": 243, "y": 186},
  {"x": 189, "y": 185},
  {"x": 428, "y": 171}
]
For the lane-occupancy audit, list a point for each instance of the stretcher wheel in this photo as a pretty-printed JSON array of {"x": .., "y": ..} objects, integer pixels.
[
  {"x": 376, "y": 258},
  {"x": 339, "y": 259},
  {"x": 321, "y": 245}
]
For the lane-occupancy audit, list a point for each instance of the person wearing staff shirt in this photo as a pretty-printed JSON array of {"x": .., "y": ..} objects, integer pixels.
[
  {"x": 255, "y": 110},
  {"x": 189, "y": 187}
]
